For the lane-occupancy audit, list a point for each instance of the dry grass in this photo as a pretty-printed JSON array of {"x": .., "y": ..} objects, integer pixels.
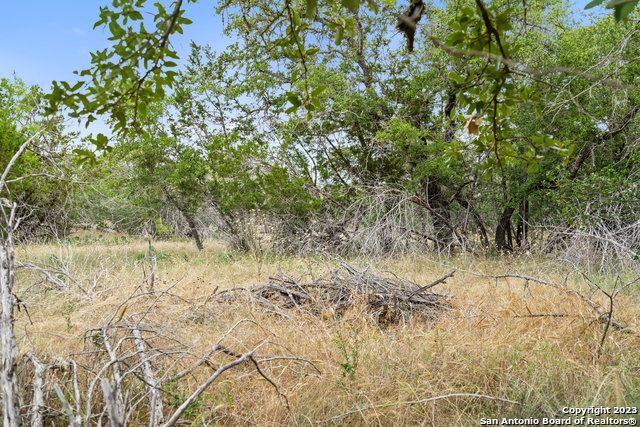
[{"x": 484, "y": 346}]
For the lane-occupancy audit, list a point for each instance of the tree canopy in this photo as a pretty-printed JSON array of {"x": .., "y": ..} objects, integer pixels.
[{"x": 367, "y": 126}]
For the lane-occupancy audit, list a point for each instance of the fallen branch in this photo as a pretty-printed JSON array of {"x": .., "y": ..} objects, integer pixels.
[
  {"x": 432, "y": 284},
  {"x": 391, "y": 299},
  {"x": 73, "y": 420}
]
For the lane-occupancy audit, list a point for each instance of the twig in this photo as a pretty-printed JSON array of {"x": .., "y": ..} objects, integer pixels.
[
  {"x": 73, "y": 420},
  {"x": 432, "y": 284},
  {"x": 178, "y": 412}
]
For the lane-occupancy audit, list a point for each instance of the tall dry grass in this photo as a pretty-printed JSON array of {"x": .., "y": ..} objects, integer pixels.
[{"x": 504, "y": 338}]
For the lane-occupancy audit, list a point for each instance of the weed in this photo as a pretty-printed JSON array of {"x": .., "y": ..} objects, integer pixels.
[
  {"x": 67, "y": 310},
  {"x": 177, "y": 396},
  {"x": 536, "y": 349},
  {"x": 159, "y": 255},
  {"x": 349, "y": 348},
  {"x": 225, "y": 258}
]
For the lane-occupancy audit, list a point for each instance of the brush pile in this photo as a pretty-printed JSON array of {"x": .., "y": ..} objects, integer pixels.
[{"x": 389, "y": 299}]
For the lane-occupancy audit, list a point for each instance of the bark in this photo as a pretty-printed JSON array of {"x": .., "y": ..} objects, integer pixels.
[
  {"x": 503, "y": 230},
  {"x": 152, "y": 385},
  {"x": 113, "y": 402},
  {"x": 193, "y": 228},
  {"x": 450, "y": 105},
  {"x": 9, "y": 378},
  {"x": 431, "y": 186},
  {"x": 367, "y": 77},
  {"x": 434, "y": 198},
  {"x": 37, "y": 403},
  {"x": 417, "y": 200},
  {"x": 8, "y": 374}
]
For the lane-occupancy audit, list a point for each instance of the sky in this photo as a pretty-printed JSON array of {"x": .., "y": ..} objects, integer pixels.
[{"x": 45, "y": 40}]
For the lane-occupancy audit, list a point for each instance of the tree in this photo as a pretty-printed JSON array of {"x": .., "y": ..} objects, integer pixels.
[
  {"x": 384, "y": 116},
  {"x": 40, "y": 202},
  {"x": 165, "y": 169},
  {"x": 487, "y": 63},
  {"x": 139, "y": 67},
  {"x": 24, "y": 152}
]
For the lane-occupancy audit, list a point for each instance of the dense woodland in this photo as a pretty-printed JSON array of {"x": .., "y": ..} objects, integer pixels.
[
  {"x": 349, "y": 129},
  {"x": 447, "y": 148}
]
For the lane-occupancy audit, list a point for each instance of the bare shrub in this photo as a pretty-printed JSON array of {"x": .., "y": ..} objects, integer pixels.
[{"x": 133, "y": 362}]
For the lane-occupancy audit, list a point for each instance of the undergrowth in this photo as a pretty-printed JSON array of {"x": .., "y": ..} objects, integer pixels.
[{"x": 505, "y": 339}]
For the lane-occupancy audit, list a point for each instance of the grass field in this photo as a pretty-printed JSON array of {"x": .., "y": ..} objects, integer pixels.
[{"x": 506, "y": 348}]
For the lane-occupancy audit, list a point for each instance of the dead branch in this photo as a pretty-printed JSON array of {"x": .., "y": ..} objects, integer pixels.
[
  {"x": 391, "y": 299},
  {"x": 432, "y": 284},
  {"x": 178, "y": 412},
  {"x": 73, "y": 421},
  {"x": 151, "y": 383},
  {"x": 37, "y": 402}
]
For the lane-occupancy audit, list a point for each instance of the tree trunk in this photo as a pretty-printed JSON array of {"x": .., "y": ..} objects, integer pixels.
[
  {"x": 503, "y": 231},
  {"x": 193, "y": 228},
  {"x": 451, "y": 103},
  {"x": 9, "y": 379},
  {"x": 431, "y": 187},
  {"x": 187, "y": 216}
]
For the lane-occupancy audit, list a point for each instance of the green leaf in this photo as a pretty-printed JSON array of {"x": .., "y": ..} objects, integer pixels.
[
  {"x": 339, "y": 35},
  {"x": 350, "y": 26},
  {"x": 142, "y": 106},
  {"x": 101, "y": 141},
  {"x": 623, "y": 8},
  {"x": 318, "y": 91},
  {"x": 293, "y": 99},
  {"x": 615, "y": 3},
  {"x": 457, "y": 77},
  {"x": 85, "y": 156},
  {"x": 312, "y": 6},
  {"x": 352, "y": 5},
  {"x": 374, "y": 6}
]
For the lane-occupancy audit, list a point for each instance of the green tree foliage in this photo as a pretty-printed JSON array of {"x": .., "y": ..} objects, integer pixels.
[
  {"x": 317, "y": 103},
  {"x": 33, "y": 182}
]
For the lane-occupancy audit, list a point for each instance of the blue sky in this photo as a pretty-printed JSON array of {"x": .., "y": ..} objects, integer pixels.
[{"x": 45, "y": 40}]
